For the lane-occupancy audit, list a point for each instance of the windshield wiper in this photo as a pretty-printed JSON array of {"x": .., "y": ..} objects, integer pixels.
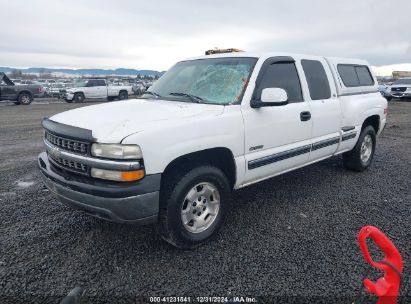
[
  {"x": 152, "y": 93},
  {"x": 192, "y": 97}
]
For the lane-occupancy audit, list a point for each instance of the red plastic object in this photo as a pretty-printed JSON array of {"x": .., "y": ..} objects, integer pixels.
[{"x": 387, "y": 287}]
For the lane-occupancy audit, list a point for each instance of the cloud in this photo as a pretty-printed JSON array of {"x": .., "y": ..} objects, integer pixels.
[{"x": 155, "y": 34}]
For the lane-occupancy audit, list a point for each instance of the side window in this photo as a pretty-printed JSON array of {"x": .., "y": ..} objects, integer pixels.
[
  {"x": 317, "y": 79},
  {"x": 355, "y": 75},
  {"x": 282, "y": 75},
  {"x": 90, "y": 83},
  {"x": 348, "y": 75},
  {"x": 364, "y": 76}
]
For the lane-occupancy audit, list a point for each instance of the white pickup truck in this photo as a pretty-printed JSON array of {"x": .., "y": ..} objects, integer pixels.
[
  {"x": 210, "y": 125},
  {"x": 96, "y": 89}
]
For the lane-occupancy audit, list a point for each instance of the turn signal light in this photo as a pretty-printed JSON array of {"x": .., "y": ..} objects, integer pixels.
[
  {"x": 121, "y": 176},
  {"x": 132, "y": 175}
]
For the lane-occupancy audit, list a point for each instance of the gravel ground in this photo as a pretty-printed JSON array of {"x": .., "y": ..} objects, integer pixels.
[{"x": 290, "y": 238}]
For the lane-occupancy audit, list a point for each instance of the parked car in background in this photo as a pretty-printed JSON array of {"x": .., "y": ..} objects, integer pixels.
[
  {"x": 16, "y": 81},
  {"x": 401, "y": 88},
  {"x": 20, "y": 94},
  {"x": 385, "y": 91},
  {"x": 28, "y": 82},
  {"x": 54, "y": 89},
  {"x": 208, "y": 126},
  {"x": 138, "y": 88},
  {"x": 96, "y": 88}
]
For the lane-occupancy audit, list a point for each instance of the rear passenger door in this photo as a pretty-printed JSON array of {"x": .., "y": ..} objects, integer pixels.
[{"x": 325, "y": 108}]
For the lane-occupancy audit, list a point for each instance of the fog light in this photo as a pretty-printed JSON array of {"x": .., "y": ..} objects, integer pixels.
[{"x": 122, "y": 176}]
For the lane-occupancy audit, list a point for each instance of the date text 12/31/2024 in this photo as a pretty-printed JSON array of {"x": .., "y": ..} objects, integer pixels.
[{"x": 239, "y": 299}]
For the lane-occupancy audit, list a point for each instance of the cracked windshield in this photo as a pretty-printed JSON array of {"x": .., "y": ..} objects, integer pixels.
[{"x": 218, "y": 81}]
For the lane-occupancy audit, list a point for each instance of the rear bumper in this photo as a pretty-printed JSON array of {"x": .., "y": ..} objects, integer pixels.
[
  {"x": 133, "y": 205},
  {"x": 383, "y": 123}
]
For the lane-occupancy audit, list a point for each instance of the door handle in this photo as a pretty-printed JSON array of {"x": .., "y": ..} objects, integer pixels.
[{"x": 304, "y": 116}]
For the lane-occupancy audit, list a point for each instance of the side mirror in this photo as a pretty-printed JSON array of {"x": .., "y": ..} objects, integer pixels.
[{"x": 271, "y": 97}]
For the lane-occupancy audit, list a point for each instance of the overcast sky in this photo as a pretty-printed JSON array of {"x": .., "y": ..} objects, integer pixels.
[{"x": 153, "y": 34}]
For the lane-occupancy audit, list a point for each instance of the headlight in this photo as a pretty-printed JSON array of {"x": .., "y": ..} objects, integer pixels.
[
  {"x": 408, "y": 90},
  {"x": 121, "y": 176},
  {"x": 116, "y": 151}
]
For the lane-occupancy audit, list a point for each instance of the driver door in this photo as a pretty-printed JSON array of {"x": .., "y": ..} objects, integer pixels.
[{"x": 277, "y": 138}]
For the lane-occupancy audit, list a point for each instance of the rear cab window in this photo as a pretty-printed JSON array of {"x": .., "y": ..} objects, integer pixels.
[{"x": 317, "y": 80}]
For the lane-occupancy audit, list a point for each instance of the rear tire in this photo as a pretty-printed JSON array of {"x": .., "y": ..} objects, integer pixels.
[
  {"x": 25, "y": 99},
  {"x": 123, "y": 95},
  {"x": 78, "y": 97},
  {"x": 388, "y": 98},
  {"x": 193, "y": 206},
  {"x": 361, "y": 156}
]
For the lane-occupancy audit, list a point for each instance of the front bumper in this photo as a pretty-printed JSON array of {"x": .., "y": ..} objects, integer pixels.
[
  {"x": 68, "y": 96},
  {"x": 122, "y": 204},
  {"x": 401, "y": 94}
]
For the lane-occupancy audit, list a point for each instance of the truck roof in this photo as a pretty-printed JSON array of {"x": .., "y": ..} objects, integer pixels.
[
  {"x": 263, "y": 55},
  {"x": 333, "y": 63}
]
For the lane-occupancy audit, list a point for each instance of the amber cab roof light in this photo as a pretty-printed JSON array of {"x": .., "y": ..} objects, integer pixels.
[{"x": 220, "y": 51}]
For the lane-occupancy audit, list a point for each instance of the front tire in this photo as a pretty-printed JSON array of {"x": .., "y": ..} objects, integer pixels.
[
  {"x": 193, "y": 206},
  {"x": 123, "y": 95},
  {"x": 78, "y": 97},
  {"x": 360, "y": 158},
  {"x": 25, "y": 99}
]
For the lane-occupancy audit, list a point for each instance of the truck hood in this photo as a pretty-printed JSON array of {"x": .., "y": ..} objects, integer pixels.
[{"x": 111, "y": 122}]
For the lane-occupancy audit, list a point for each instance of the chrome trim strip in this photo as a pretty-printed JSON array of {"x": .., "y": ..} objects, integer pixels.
[
  {"x": 358, "y": 93},
  {"x": 325, "y": 143},
  {"x": 347, "y": 128},
  {"x": 349, "y": 136},
  {"x": 266, "y": 160},
  {"x": 93, "y": 162}
]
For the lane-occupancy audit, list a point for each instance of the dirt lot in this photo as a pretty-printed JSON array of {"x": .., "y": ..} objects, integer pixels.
[{"x": 292, "y": 236}]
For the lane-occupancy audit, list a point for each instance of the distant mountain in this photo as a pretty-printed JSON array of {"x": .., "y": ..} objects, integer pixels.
[{"x": 96, "y": 72}]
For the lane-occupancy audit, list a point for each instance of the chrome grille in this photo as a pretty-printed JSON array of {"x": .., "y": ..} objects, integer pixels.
[
  {"x": 399, "y": 89},
  {"x": 69, "y": 164},
  {"x": 67, "y": 144}
]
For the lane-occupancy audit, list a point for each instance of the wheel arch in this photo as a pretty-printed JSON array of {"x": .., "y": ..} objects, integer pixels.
[
  {"x": 372, "y": 120},
  {"x": 221, "y": 157},
  {"x": 25, "y": 92}
]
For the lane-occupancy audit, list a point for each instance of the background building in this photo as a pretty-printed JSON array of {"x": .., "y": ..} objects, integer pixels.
[{"x": 401, "y": 74}]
